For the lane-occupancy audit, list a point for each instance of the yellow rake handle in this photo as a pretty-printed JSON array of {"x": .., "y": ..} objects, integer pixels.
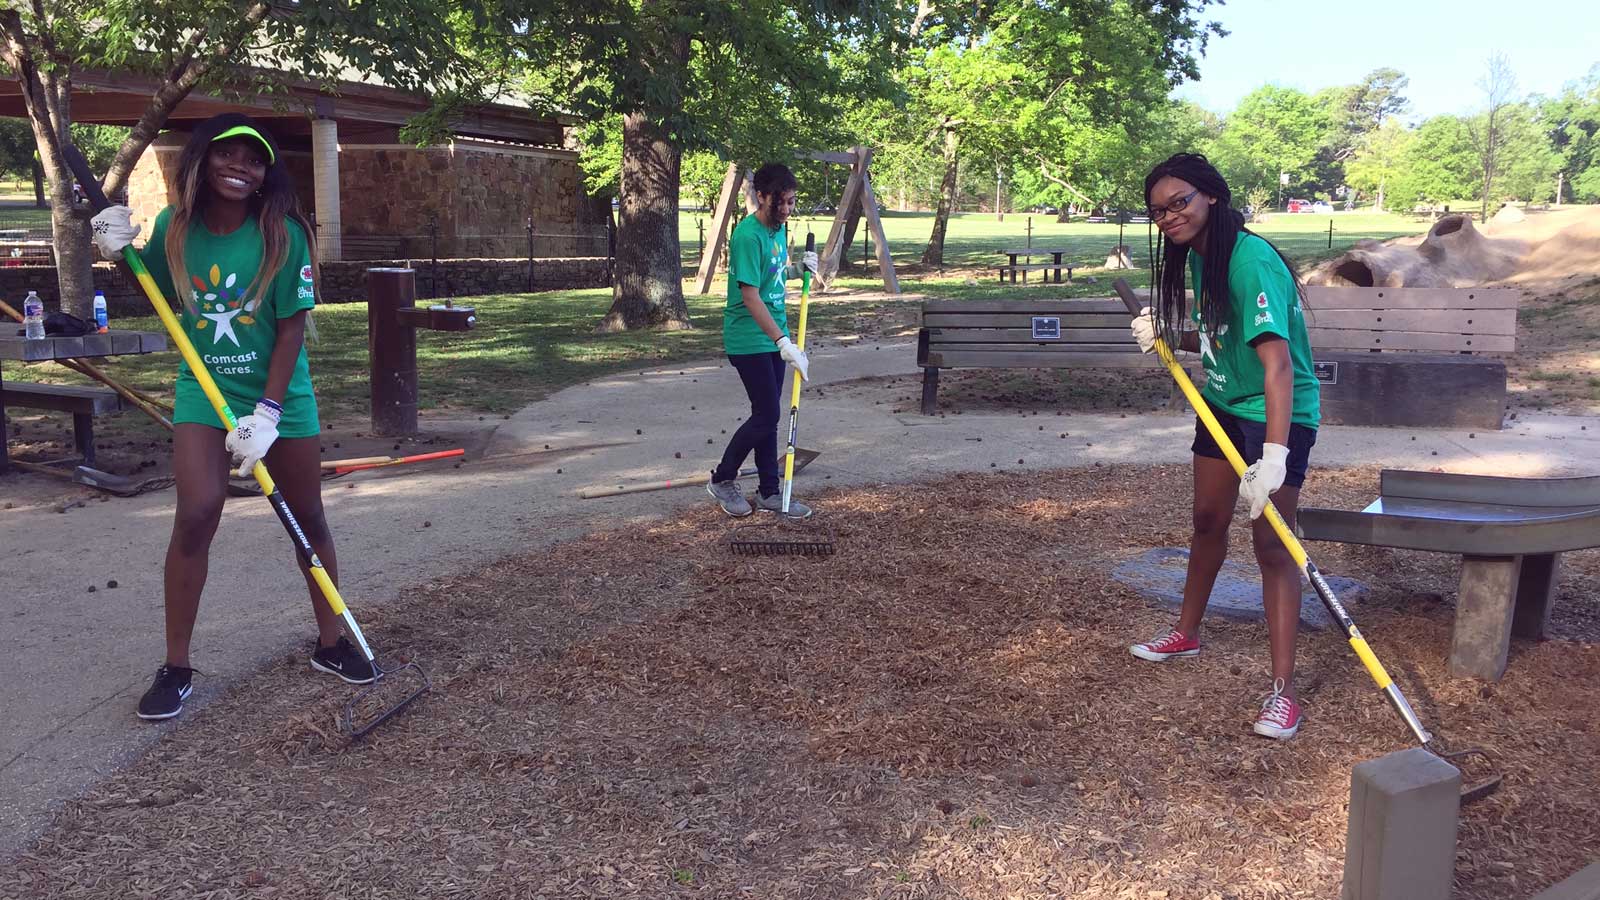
[
  {"x": 794, "y": 391},
  {"x": 1363, "y": 651}
]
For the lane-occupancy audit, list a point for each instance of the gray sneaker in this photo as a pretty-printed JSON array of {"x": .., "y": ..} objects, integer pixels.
[
  {"x": 797, "y": 510},
  {"x": 730, "y": 498}
]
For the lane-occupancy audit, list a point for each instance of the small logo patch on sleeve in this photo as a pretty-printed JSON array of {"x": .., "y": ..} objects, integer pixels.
[
  {"x": 305, "y": 274},
  {"x": 1261, "y": 300}
]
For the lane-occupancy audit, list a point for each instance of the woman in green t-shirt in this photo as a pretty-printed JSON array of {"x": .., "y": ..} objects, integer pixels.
[
  {"x": 240, "y": 257},
  {"x": 1248, "y": 326}
]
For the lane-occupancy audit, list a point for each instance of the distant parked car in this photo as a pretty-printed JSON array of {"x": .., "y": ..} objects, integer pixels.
[
  {"x": 1299, "y": 206},
  {"x": 1322, "y": 206}
]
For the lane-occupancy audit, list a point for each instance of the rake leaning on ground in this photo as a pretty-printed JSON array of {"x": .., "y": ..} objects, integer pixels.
[
  {"x": 1319, "y": 584},
  {"x": 330, "y": 593},
  {"x": 786, "y": 536}
]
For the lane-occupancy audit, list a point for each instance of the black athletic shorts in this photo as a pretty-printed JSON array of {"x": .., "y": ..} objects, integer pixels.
[{"x": 1248, "y": 437}]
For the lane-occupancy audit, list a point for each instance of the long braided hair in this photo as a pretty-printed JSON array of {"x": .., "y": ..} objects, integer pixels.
[{"x": 1168, "y": 261}]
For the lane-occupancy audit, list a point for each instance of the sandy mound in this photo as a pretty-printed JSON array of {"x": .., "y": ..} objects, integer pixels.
[{"x": 1515, "y": 247}]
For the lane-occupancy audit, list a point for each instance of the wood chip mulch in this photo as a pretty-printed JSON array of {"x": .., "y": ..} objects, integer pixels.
[{"x": 944, "y": 709}]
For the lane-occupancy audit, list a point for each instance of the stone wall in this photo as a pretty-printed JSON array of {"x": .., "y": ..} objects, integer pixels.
[
  {"x": 478, "y": 195},
  {"x": 345, "y": 282},
  {"x": 342, "y": 282}
]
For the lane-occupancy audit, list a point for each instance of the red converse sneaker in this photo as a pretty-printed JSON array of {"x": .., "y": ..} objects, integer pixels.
[
  {"x": 1171, "y": 645},
  {"x": 1280, "y": 716}
]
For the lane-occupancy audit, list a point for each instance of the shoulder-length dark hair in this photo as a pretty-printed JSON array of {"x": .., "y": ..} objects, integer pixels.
[
  {"x": 1169, "y": 269},
  {"x": 274, "y": 206}
]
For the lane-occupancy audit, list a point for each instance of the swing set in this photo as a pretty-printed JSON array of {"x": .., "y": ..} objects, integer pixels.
[{"x": 857, "y": 193}]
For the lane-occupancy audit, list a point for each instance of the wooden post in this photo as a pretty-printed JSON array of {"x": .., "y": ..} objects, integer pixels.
[
  {"x": 833, "y": 249},
  {"x": 719, "y": 229},
  {"x": 869, "y": 209}
]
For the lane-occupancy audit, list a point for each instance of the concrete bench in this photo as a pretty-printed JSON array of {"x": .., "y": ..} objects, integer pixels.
[
  {"x": 1022, "y": 334},
  {"x": 1412, "y": 356},
  {"x": 1510, "y": 533},
  {"x": 82, "y": 401}
]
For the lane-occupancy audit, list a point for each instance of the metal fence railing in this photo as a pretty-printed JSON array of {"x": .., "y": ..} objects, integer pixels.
[{"x": 25, "y": 238}]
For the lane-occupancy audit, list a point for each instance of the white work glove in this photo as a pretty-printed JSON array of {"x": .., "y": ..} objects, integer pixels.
[
  {"x": 808, "y": 261},
  {"x": 252, "y": 437},
  {"x": 112, "y": 229},
  {"x": 1144, "y": 330},
  {"x": 1266, "y": 476},
  {"x": 794, "y": 356}
]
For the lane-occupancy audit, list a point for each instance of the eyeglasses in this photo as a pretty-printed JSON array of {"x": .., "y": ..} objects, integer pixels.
[{"x": 1157, "y": 213}]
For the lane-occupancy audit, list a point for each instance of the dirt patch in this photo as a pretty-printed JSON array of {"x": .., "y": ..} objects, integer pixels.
[
  {"x": 1555, "y": 367},
  {"x": 944, "y": 709}
]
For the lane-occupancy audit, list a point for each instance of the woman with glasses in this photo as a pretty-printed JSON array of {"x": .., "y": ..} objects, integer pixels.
[{"x": 1247, "y": 324}]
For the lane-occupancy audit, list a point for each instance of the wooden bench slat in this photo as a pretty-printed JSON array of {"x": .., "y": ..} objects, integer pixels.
[
  {"x": 1020, "y": 358},
  {"x": 1029, "y": 307},
  {"x": 1024, "y": 320},
  {"x": 1034, "y": 267},
  {"x": 1113, "y": 337},
  {"x": 1352, "y": 339},
  {"x": 1319, "y": 298},
  {"x": 61, "y": 397},
  {"x": 1446, "y": 321}
]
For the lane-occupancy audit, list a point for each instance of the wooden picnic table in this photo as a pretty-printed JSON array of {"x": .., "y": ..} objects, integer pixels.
[
  {"x": 113, "y": 343},
  {"x": 1055, "y": 264}
]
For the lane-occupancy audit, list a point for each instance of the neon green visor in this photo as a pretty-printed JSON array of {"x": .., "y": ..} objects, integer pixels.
[{"x": 247, "y": 131}]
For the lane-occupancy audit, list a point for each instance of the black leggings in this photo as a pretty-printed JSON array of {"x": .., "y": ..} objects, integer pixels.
[{"x": 762, "y": 374}]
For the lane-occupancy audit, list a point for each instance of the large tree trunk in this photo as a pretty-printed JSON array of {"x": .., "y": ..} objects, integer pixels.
[
  {"x": 649, "y": 282},
  {"x": 39, "y": 201},
  {"x": 934, "y": 254},
  {"x": 74, "y": 258}
]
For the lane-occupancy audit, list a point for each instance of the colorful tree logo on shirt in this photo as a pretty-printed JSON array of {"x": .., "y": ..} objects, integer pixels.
[{"x": 222, "y": 301}]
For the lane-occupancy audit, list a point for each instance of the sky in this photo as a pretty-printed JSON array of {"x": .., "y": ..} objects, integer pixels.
[{"x": 1442, "y": 45}]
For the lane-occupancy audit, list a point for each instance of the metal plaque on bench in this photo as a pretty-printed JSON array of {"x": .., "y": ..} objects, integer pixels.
[
  {"x": 1326, "y": 372},
  {"x": 1047, "y": 328}
]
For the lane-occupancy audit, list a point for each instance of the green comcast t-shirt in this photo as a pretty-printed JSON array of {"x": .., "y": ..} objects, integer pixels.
[
  {"x": 232, "y": 332},
  {"x": 1262, "y": 301},
  {"x": 757, "y": 256}
]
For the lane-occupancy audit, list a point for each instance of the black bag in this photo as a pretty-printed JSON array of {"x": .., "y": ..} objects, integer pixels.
[{"x": 61, "y": 324}]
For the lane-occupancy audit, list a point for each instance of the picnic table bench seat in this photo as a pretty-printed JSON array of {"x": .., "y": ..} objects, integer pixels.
[{"x": 83, "y": 401}]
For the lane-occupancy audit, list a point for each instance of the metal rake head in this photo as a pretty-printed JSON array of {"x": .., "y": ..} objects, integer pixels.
[
  {"x": 409, "y": 680},
  {"x": 781, "y": 539}
]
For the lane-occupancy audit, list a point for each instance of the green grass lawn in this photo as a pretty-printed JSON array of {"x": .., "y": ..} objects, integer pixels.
[
  {"x": 528, "y": 346},
  {"x": 976, "y": 239}
]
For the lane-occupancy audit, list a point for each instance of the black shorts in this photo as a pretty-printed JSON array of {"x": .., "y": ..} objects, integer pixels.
[{"x": 1249, "y": 436}]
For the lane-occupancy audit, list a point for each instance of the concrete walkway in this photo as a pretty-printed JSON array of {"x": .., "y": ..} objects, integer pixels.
[{"x": 76, "y": 662}]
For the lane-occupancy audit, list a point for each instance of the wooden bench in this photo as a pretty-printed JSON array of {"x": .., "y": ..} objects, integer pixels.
[
  {"x": 1509, "y": 532},
  {"x": 1385, "y": 356},
  {"x": 1021, "y": 334},
  {"x": 84, "y": 402},
  {"x": 1412, "y": 356}
]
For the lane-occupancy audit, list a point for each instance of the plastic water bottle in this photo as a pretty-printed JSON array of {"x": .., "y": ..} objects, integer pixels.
[
  {"x": 100, "y": 316},
  {"x": 33, "y": 316}
]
